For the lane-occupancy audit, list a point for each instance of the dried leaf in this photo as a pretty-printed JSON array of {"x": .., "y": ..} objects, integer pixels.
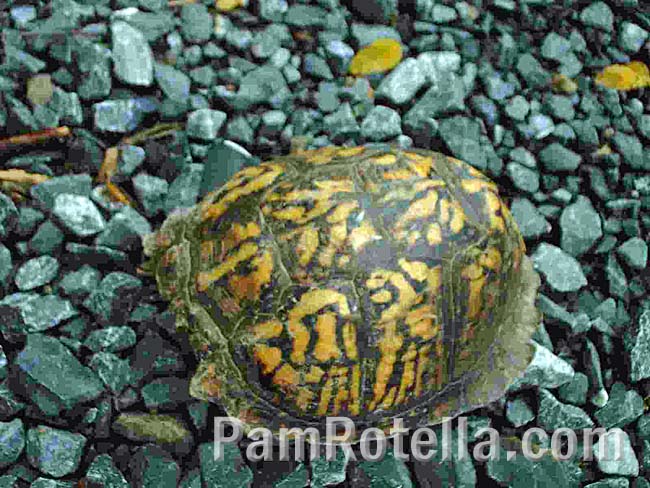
[
  {"x": 118, "y": 195},
  {"x": 155, "y": 132},
  {"x": 380, "y": 56},
  {"x": 564, "y": 84},
  {"x": 109, "y": 165},
  {"x": 34, "y": 137},
  {"x": 22, "y": 176},
  {"x": 628, "y": 76},
  {"x": 228, "y": 5}
]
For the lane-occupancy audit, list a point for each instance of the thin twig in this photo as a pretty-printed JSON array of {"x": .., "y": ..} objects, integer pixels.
[{"x": 34, "y": 137}]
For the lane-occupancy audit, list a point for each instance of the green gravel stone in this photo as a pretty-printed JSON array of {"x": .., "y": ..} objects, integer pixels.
[
  {"x": 462, "y": 136},
  {"x": 555, "y": 47},
  {"x": 184, "y": 190},
  {"x": 446, "y": 96},
  {"x": 52, "y": 365},
  {"x": 610, "y": 483},
  {"x": 29, "y": 312},
  {"x": 517, "y": 108},
  {"x": 552, "y": 310},
  {"x": 239, "y": 130},
  {"x": 297, "y": 479},
  {"x": 382, "y": 123},
  {"x": 132, "y": 56},
  {"x": 640, "y": 353},
  {"x": 261, "y": 85},
  {"x": 48, "y": 483},
  {"x": 203, "y": 76},
  {"x": 643, "y": 427},
  {"x": 523, "y": 178},
  {"x": 390, "y": 471},
  {"x": 80, "y": 282},
  {"x": 554, "y": 414},
  {"x": 54, "y": 452},
  {"x": 627, "y": 465},
  {"x": 36, "y": 272},
  {"x": 556, "y": 157},
  {"x": 530, "y": 221},
  {"x": 585, "y": 131},
  {"x": 560, "y": 107},
  {"x": 545, "y": 370},
  {"x": 561, "y": 270},
  {"x": 117, "y": 115},
  {"x": 125, "y": 228},
  {"x": 45, "y": 193},
  {"x": 6, "y": 263},
  {"x": 616, "y": 278},
  {"x": 631, "y": 150},
  {"x": 198, "y": 411},
  {"x": 113, "y": 299},
  {"x": 223, "y": 160},
  {"x": 47, "y": 239},
  {"x": 8, "y": 215},
  {"x": 196, "y": 22},
  {"x": 339, "y": 53},
  {"x": 631, "y": 37},
  {"x": 113, "y": 371},
  {"x": 12, "y": 441},
  {"x": 111, "y": 339},
  {"x": 325, "y": 472},
  {"x": 624, "y": 406},
  {"x": 580, "y": 227},
  {"x": 3, "y": 364},
  {"x": 342, "y": 123},
  {"x": 79, "y": 214},
  {"x": 102, "y": 471},
  {"x": 402, "y": 84},
  {"x": 230, "y": 472},
  {"x": 28, "y": 220},
  {"x": 317, "y": 67},
  {"x": 532, "y": 71},
  {"x": 205, "y": 123},
  {"x": 305, "y": 15},
  {"x": 174, "y": 83},
  {"x": 520, "y": 472},
  {"x": 599, "y": 15},
  {"x": 575, "y": 391},
  {"x": 518, "y": 412},
  {"x": 365, "y": 34},
  {"x": 8, "y": 481},
  {"x": 151, "y": 191},
  {"x": 634, "y": 252},
  {"x": 153, "y": 467},
  {"x": 327, "y": 96},
  {"x": 562, "y": 196}
]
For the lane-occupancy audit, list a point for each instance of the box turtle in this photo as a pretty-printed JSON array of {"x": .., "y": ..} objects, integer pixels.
[{"x": 364, "y": 282}]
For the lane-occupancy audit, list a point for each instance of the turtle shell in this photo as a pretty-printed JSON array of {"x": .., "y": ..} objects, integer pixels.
[{"x": 359, "y": 282}]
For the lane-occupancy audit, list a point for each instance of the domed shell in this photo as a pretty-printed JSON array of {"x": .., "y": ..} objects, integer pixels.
[{"x": 357, "y": 282}]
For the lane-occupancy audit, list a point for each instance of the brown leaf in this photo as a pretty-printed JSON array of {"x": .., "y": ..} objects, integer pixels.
[
  {"x": 109, "y": 165},
  {"x": 22, "y": 176}
]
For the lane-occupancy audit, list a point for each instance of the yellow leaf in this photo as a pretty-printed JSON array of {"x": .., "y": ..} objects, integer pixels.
[
  {"x": 628, "y": 76},
  {"x": 380, "y": 56},
  {"x": 228, "y": 5}
]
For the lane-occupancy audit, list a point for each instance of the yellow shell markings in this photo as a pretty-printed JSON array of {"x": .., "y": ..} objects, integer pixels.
[{"x": 320, "y": 372}]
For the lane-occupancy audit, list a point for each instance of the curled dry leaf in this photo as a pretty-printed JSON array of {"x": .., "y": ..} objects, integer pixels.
[
  {"x": 378, "y": 57},
  {"x": 629, "y": 76}
]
